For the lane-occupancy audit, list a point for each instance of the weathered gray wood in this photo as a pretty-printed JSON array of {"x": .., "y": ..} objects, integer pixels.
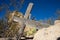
[
  {"x": 27, "y": 14},
  {"x": 13, "y": 38},
  {"x": 20, "y": 32}
]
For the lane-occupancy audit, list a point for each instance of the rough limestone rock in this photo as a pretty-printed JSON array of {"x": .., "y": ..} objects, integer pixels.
[{"x": 50, "y": 33}]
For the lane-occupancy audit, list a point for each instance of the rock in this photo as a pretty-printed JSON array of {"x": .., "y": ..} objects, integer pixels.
[{"x": 50, "y": 33}]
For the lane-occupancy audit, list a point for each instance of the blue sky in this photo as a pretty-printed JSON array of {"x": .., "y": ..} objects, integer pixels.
[{"x": 42, "y": 9}]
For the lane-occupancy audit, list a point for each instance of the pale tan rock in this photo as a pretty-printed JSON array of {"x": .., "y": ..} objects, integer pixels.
[
  {"x": 57, "y": 21},
  {"x": 50, "y": 33}
]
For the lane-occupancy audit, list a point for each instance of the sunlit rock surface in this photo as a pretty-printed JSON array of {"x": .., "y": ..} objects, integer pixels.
[{"x": 50, "y": 33}]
